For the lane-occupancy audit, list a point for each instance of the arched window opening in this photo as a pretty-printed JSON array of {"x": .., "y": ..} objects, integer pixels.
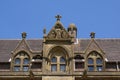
[
  {"x": 17, "y": 61},
  {"x": 54, "y": 59},
  {"x": 90, "y": 61},
  {"x": 21, "y": 62},
  {"x": 62, "y": 59},
  {"x": 58, "y": 58},
  {"x": 98, "y": 61},
  {"x": 95, "y": 62},
  {"x": 26, "y": 61}
]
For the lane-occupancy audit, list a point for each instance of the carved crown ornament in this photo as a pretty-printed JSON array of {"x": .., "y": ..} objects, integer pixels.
[{"x": 58, "y": 32}]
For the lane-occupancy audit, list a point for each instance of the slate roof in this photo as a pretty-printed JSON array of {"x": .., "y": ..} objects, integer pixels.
[
  {"x": 111, "y": 47},
  {"x": 6, "y": 46}
]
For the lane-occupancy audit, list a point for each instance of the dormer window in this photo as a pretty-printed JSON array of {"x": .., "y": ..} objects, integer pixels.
[
  {"x": 21, "y": 62},
  {"x": 95, "y": 62}
]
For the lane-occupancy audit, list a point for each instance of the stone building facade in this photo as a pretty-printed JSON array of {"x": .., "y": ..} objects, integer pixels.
[{"x": 60, "y": 55}]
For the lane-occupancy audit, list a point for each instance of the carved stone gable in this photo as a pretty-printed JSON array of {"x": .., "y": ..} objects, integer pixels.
[
  {"x": 22, "y": 46},
  {"x": 93, "y": 46},
  {"x": 58, "y": 32}
]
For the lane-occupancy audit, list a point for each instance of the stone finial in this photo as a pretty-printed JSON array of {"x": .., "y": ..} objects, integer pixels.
[
  {"x": 44, "y": 30},
  {"x": 24, "y": 34},
  {"x": 58, "y": 17},
  {"x": 92, "y": 35}
]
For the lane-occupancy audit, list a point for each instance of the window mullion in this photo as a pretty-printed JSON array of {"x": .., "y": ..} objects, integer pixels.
[
  {"x": 58, "y": 63},
  {"x": 95, "y": 65},
  {"x": 21, "y": 64}
]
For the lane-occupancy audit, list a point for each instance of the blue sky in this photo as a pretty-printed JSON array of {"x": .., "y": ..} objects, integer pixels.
[{"x": 31, "y": 16}]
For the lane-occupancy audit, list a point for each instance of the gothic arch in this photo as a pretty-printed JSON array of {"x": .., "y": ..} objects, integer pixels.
[
  {"x": 55, "y": 48},
  {"x": 25, "y": 51}
]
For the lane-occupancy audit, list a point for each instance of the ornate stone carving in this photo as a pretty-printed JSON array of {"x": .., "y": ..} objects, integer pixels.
[
  {"x": 52, "y": 34},
  {"x": 58, "y": 31},
  {"x": 64, "y": 34},
  {"x": 58, "y": 34}
]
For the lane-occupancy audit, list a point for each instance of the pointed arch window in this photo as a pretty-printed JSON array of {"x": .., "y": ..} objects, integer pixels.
[
  {"x": 26, "y": 61},
  {"x": 95, "y": 62},
  {"x": 54, "y": 59},
  {"x": 21, "y": 62},
  {"x": 17, "y": 61},
  {"x": 90, "y": 61},
  {"x": 62, "y": 59},
  {"x": 99, "y": 61}
]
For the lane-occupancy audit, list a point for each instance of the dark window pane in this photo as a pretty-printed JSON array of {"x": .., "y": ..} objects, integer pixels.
[
  {"x": 26, "y": 61},
  {"x": 53, "y": 67},
  {"x": 119, "y": 65},
  {"x": 111, "y": 65},
  {"x": 36, "y": 65},
  {"x": 62, "y": 67},
  {"x": 99, "y": 61},
  {"x": 4, "y": 66},
  {"x": 90, "y": 61},
  {"x": 54, "y": 59},
  {"x": 62, "y": 59},
  {"x": 78, "y": 65},
  {"x": 99, "y": 68},
  {"x": 90, "y": 68},
  {"x": 17, "y": 61},
  {"x": 25, "y": 68},
  {"x": 17, "y": 68}
]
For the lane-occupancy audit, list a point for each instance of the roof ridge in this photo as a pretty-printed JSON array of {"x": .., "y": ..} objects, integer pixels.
[{"x": 99, "y": 38}]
